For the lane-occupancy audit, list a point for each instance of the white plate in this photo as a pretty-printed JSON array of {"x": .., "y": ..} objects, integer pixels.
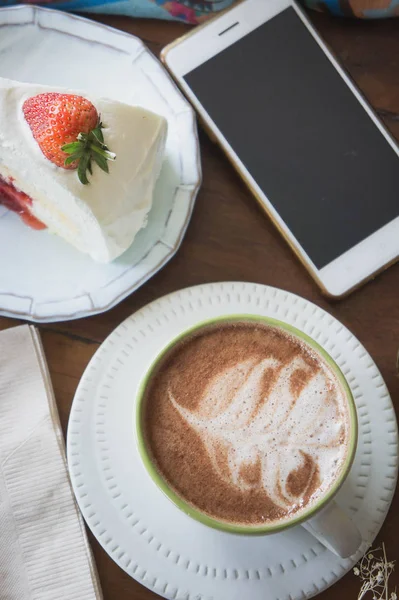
[
  {"x": 44, "y": 278},
  {"x": 144, "y": 532}
]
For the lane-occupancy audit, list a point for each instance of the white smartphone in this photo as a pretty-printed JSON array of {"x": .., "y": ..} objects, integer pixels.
[{"x": 300, "y": 134}]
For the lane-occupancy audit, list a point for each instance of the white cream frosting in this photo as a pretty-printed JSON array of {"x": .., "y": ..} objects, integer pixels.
[
  {"x": 103, "y": 217},
  {"x": 240, "y": 426}
]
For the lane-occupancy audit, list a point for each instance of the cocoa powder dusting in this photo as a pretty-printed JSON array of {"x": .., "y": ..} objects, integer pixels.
[
  {"x": 251, "y": 473},
  {"x": 304, "y": 479}
]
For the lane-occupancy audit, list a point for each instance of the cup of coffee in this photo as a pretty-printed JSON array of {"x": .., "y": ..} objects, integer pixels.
[{"x": 249, "y": 426}]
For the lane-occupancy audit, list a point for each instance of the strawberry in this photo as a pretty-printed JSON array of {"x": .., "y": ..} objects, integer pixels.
[{"x": 68, "y": 130}]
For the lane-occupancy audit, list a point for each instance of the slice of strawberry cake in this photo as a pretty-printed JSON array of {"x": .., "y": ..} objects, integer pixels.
[{"x": 82, "y": 166}]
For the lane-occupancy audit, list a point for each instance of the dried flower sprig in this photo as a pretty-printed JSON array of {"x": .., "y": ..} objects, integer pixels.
[{"x": 374, "y": 571}]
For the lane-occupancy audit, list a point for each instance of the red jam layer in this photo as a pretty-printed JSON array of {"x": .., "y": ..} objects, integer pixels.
[{"x": 18, "y": 202}]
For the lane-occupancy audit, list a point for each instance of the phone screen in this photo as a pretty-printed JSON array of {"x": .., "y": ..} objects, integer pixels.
[{"x": 302, "y": 134}]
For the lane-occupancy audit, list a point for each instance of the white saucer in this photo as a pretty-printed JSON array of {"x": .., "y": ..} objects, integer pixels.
[
  {"x": 144, "y": 532},
  {"x": 46, "y": 279}
]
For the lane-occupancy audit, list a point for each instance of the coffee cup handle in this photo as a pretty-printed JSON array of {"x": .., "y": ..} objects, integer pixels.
[{"x": 335, "y": 530}]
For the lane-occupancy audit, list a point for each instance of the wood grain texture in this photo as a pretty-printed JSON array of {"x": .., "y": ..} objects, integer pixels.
[{"x": 229, "y": 238}]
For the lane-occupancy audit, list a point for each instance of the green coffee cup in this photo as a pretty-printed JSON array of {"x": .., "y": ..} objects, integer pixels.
[{"x": 324, "y": 519}]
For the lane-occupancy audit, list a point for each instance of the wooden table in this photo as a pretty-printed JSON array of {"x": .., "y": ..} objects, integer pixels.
[{"x": 229, "y": 238}]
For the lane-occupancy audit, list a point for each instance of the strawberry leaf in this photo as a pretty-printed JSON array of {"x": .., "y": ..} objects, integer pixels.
[
  {"x": 98, "y": 134},
  {"x": 71, "y": 148},
  {"x": 88, "y": 147},
  {"x": 102, "y": 162},
  {"x": 72, "y": 157},
  {"x": 102, "y": 152},
  {"x": 82, "y": 168}
]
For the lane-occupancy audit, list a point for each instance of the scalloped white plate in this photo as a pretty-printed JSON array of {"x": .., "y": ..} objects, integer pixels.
[
  {"x": 144, "y": 532},
  {"x": 44, "y": 278}
]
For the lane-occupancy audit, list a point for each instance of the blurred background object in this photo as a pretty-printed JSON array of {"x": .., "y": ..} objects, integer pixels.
[
  {"x": 198, "y": 11},
  {"x": 365, "y": 9}
]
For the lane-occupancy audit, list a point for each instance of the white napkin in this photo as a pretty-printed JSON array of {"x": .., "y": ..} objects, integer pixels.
[{"x": 44, "y": 552}]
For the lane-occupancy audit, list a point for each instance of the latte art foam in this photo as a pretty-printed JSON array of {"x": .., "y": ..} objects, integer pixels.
[{"x": 268, "y": 419}]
